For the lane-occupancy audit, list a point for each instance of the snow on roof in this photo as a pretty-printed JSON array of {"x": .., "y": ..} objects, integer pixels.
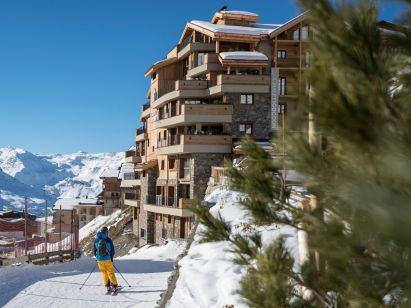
[
  {"x": 109, "y": 173},
  {"x": 239, "y": 13},
  {"x": 43, "y": 219},
  {"x": 125, "y": 184},
  {"x": 69, "y": 203},
  {"x": 243, "y": 55},
  {"x": 230, "y": 29},
  {"x": 125, "y": 168},
  {"x": 266, "y": 26}
]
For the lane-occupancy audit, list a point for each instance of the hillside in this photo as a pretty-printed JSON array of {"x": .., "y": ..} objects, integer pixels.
[{"x": 41, "y": 177}]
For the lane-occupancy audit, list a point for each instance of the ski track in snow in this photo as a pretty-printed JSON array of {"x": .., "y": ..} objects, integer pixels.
[{"x": 58, "y": 284}]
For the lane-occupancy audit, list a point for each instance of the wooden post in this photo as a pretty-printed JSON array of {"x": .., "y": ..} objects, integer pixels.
[
  {"x": 45, "y": 226},
  {"x": 25, "y": 225}
]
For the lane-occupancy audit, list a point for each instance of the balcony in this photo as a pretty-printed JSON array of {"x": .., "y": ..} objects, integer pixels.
[
  {"x": 173, "y": 89},
  {"x": 130, "y": 179},
  {"x": 132, "y": 199},
  {"x": 189, "y": 47},
  {"x": 145, "y": 111},
  {"x": 168, "y": 206},
  {"x": 196, "y": 113},
  {"x": 132, "y": 157},
  {"x": 179, "y": 144},
  {"x": 141, "y": 134},
  {"x": 241, "y": 84},
  {"x": 210, "y": 63}
]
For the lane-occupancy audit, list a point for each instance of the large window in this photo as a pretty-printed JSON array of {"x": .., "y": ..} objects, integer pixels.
[
  {"x": 304, "y": 33},
  {"x": 184, "y": 168},
  {"x": 200, "y": 58},
  {"x": 245, "y": 128},
  {"x": 246, "y": 99},
  {"x": 296, "y": 35},
  {"x": 282, "y": 85}
]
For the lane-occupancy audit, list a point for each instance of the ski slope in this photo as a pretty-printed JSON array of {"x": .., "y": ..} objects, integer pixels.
[{"x": 58, "y": 284}]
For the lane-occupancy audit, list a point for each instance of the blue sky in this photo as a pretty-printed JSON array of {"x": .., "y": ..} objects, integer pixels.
[{"x": 72, "y": 71}]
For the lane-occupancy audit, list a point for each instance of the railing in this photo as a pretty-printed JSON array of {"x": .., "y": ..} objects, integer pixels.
[
  {"x": 217, "y": 173},
  {"x": 173, "y": 140},
  {"x": 243, "y": 79},
  {"x": 131, "y": 176},
  {"x": 140, "y": 131},
  {"x": 146, "y": 106},
  {"x": 168, "y": 86},
  {"x": 166, "y": 202},
  {"x": 151, "y": 199},
  {"x": 130, "y": 153},
  {"x": 131, "y": 196}
]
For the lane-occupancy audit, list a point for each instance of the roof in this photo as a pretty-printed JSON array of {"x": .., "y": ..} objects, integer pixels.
[
  {"x": 239, "y": 13},
  {"x": 243, "y": 55},
  {"x": 290, "y": 23},
  {"x": 109, "y": 173},
  {"x": 125, "y": 168},
  {"x": 229, "y": 29},
  {"x": 68, "y": 204},
  {"x": 160, "y": 64}
]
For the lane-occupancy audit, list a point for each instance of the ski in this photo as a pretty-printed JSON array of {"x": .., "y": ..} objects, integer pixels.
[{"x": 115, "y": 292}]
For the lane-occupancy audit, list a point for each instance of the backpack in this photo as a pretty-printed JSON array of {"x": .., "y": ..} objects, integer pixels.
[{"x": 102, "y": 250}]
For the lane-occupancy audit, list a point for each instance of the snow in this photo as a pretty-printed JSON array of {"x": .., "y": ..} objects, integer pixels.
[
  {"x": 230, "y": 29},
  {"x": 109, "y": 173},
  {"x": 239, "y": 13},
  {"x": 243, "y": 55},
  {"x": 125, "y": 168},
  {"x": 41, "y": 177},
  {"x": 208, "y": 276},
  {"x": 93, "y": 226},
  {"x": 57, "y": 285},
  {"x": 70, "y": 203}
]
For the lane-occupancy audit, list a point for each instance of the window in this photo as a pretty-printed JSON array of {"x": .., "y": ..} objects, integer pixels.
[
  {"x": 164, "y": 232},
  {"x": 169, "y": 219},
  {"x": 282, "y": 108},
  {"x": 304, "y": 33},
  {"x": 184, "y": 168},
  {"x": 162, "y": 164},
  {"x": 281, "y": 54},
  {"x": 171, "y": 163},
  {"x": 296, "y": 35},
  {"x": 142, "y": 233},
  {"x": 200, "y": 58},
  {"x": 245, "y": 128},
  {"x": 307, "y": 59},
  {"x": 135, "y": 215},
  {"x": 281, "y": 85},
  {"x": 246, "y": 99}
]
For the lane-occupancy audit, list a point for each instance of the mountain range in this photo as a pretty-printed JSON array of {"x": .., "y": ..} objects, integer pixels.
[{"x": 47, "y": 177}]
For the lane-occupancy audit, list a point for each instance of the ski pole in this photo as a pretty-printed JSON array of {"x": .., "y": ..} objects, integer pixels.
[
  {"x": 95, "y": 265},
  {"x": 121, "y": 275}
]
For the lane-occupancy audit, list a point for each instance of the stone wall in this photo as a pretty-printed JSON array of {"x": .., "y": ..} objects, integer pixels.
[
  {"x": 173, "y": 228},
  {"x": 258, "y": 114},
  {"x": 201, "y": 171}
]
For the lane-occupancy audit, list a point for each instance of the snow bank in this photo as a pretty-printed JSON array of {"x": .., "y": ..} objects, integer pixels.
[{"x": 208, "y": 277}]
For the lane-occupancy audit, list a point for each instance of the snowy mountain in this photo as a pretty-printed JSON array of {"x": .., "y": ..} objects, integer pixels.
[{"x": 41, "y": 177}]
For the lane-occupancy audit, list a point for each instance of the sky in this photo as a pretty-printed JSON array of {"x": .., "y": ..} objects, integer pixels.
[{"x": 72, "y": 71}]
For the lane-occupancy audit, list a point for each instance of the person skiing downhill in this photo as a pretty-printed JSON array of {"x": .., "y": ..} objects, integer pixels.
[{"x": 104, "y": 253}]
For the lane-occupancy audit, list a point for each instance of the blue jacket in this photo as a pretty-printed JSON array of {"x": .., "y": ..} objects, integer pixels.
[{"x": 110, "y": 247}]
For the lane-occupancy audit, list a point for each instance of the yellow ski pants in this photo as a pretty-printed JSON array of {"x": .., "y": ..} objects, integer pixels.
[{"x": 107, "y": 270}]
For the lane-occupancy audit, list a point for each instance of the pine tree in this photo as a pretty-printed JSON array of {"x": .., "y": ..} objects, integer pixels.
[{"x": 360, "y": 230}]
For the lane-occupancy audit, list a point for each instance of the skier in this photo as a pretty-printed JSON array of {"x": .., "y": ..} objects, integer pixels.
[{"x": 104, "y": 253}]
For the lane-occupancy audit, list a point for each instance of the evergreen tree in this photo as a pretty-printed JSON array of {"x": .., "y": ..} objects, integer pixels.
[{"x": 360, "y": 229}]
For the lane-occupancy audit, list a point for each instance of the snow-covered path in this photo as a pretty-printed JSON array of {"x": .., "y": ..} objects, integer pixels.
[{"x": 58, "y": 285}]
